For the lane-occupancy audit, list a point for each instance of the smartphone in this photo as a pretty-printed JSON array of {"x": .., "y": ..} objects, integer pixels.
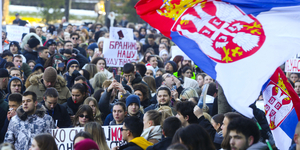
[
  {"x": 60, "y": 65},
  {"x": 174, "y": 87},
  {"x": 55, "y": 33},
  {"x": 121, "y": 35},
  {"x": 96, "y": 50}
]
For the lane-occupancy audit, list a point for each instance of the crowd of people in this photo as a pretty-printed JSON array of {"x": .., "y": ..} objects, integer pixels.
[{"x": 51, "y": 81}]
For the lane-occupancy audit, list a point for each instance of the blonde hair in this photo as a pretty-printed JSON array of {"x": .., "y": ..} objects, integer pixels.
[
  {"x": 97, "y": 132},
  {"x": 206, "y": 116},
  {"x": 99, "y": 78},
  {"x": 97, "y": 115},
  {"x": 189, "y": 93}
]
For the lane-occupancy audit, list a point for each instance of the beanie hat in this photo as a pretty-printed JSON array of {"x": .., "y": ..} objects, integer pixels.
[
  {"x": 86, "y": 144},
  {"x": 151, "y": 68},
  {"x": 132, "y": 99},
  {"x": 33, "y": 42},
  {"x": 173, "y": 65},
  {"x": 50, "y": 74},
  {"x": 70, "y": 62},
  {"x": 100, "y": 39},
  {"x": 162, "y": 52},
  {"x": 92, "y": 46},
  {"x": 3, "y": 73},
  {"x": 14, "y": 43}
]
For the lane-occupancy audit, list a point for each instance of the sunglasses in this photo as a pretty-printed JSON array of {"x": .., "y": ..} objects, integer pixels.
[
  {"x": 85, "y": 116},
  {"x": 123, "y": 129},
  {"x": 73, "y": 66},
  {"x": 75, "y": 38}
]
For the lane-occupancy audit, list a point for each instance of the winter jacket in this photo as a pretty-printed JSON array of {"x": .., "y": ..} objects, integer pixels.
[
  {"x": 39, "y": 88},
  {"x": 104, "y": 105},
  {"x": 162, "y": 145},
  {"x": 71, "y": 107},
  {"x": 138, "y": 143},
  {"x": 22, "y": 128},
  {"x": 3, "y": 103},
  {"x": 30, "y": 54},
  {"x": 3, "y": 124},
  {"x": 81, "y": 50},
  {"x": 8, "y": 87},
  {"x": 207, "y": 126},
  {"x": 71, "y": 78},
  {"x": 153, "y": 132},
  {"x": 40, "y": 60},
  {"x": 26, "y": 69},
  {"x": 258, "y": 146},
  {"x": 80, "y": 58},
  {"x": 138, "y": 79},
  {"x": 59, "y": 115}
]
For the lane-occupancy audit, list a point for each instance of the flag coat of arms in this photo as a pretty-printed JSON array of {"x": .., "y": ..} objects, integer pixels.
[
  {"x": 282, "y": 108},
  {"x": 238, "y": 43}
]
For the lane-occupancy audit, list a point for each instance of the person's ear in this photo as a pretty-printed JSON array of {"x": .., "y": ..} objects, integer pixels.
[
  {"x": 163, "y": 132},
  {"x": 186, "y": 117},
  {"x": 36, "y": 103},
  {"x": 250, "y": 140}
]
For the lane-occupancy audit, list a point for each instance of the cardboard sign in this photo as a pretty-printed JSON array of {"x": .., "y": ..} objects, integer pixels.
[
  {"x": 118, "y": 33},
  {"x": 119, "y": 52},
  {"x": 14, "y": 33},
  {"x": 292, "y": 65},
  {"x": 177, "y": 51},
  {"x": 64, "y": 136}
]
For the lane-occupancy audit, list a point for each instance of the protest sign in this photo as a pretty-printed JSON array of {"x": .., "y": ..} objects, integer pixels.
[
  {"x": 119, "y": 52},
  {"x": 118, "y": 33},
  {"x": 14, "y": 33},
  {"x": 64, "y": 136},
  {"x": 292, "y": 65},
  {"x": 177, "y": 51}
]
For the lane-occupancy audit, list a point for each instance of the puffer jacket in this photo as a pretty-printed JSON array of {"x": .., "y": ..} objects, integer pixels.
[
  {"x": 39, "y": 88},
  {"x": 22, "y": 128}
]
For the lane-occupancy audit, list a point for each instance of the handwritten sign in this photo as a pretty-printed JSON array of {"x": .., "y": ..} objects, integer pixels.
[
  {"x": 14, "y": 33},
  {"x": 64, "y": 137},
  {"x": 177, "y": 51},
  {"x": 118, "y": 33},
  {"x": 119, "y": 52},
  {"x": 292, "y": 65}
]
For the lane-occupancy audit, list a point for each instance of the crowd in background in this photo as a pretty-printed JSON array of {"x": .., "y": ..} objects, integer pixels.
[{"x": 58, "y": 79}]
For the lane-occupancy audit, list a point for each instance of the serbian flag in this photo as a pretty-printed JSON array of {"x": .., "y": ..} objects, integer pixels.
[
  {"x": 239, "y": 43},
  {"x": 282, "y": 108}
]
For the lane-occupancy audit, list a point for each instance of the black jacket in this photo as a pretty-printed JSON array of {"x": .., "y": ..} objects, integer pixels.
[
  {"x": 130, "y": 146},
  {"x": 207, "y": 126},
  {"x": 71, "y": 107},
  {"x": 59, "y": 115},
  {"x": 162, "y": 145}
]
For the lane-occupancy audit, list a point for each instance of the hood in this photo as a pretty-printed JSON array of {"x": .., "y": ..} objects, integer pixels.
[
  {"x": 37, "y": 66},
  {"x": 40, "y": 112},
  {"x": 27, "y": 37},
  {"x": 76, "y": 51},
  {"x": 9, "y": 82},
  {"x": 37, "y": 79},
  {"x": 258, "y": 146},
  {"x": 138, "y": 79},
  {"x": 27, "y": 49},
  {"x": 141, "y": 142}
]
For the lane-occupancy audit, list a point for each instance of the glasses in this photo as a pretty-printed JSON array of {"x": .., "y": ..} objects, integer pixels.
[
  {"x": 85, "y": 116},
  {"x": 189, "y": 73},
  {"x": 123, "y": 129},
  {"x": 73, "y": 66},
  {"x": 75, "y": 38}
]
